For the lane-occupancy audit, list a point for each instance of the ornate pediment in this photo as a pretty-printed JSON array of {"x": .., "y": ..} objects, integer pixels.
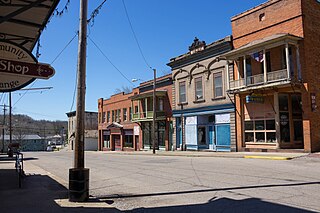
[{"x": 197, "y": 46}]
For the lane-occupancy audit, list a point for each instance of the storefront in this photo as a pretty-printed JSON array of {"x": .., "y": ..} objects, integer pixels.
[
  {"x": 205, "y": 130},
  {"x": 272, "y": 120},
  {"x": 160, "y": 135}
]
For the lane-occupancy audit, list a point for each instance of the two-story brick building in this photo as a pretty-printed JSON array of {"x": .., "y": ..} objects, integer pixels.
[
  {"x": 276, "y": 76},
  {"x": 125, "y": 119},
  {"x": 116, "y": 129},
  {"x": 204, "y": 117}
]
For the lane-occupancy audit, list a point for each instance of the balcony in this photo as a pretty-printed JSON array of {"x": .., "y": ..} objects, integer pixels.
[
  {"x": 256, "y": 80},
  {"x": 148, "y": 116},
  {"x": 269, "y": 62}
]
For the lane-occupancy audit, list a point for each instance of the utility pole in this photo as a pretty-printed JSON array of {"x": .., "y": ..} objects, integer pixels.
[
  {"x": 154, "y": 113},
  {"x": 79, "y": 176},
  {"x": 10, "y": 125},
  {"x": 4, "y": 123}
]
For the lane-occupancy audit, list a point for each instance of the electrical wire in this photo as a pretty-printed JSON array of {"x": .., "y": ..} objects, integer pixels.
[
  {"x": 135, "y": 36},
  {"x": 64, "y": 48},
  {"x": 94, "y": 13},
  {"x": 24, "y": 93},
  {"x": 74, "y": 91},
  {"x": 109, "y": 60}
]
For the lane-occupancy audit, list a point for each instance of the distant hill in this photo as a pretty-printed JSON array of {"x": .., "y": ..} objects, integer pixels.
[{"x": 25, "y": 125}]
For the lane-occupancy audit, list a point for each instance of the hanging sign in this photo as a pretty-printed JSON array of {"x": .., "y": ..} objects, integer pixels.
[
  {"x": 255, "y": 98},
  {"x": 313, "y": 102},
  {"x": 18, "y": 67}
]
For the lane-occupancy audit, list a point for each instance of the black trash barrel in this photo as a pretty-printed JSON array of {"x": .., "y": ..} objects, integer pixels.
[{"x": 78, "y": 184}]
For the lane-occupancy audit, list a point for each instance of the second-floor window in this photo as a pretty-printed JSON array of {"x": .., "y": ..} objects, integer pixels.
[
  {"x": 113, "y": 116},
  {"x": 108, "y": 116},
  {"x": 199, "y": 88},
  {"x": 182, "y": 92},
  {"x": 118, "y": 115},
  {"x": 217, "y": 85},
  {"x": 103, "y": 117},
  {"x": 160, "y": 104},
  {"x": 124, "y": 110},
  {"x": 130, "y": 113}
]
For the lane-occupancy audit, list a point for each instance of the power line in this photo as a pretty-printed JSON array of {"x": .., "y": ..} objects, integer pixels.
[
  {"x": 109, "y": 60},
  {"x": 74, "y": 91},
  {"x": 134, "y": 35},
  {"x": 64, "y": 48},
  {"x": 94, "y": 13},
  {"x": 24, "y": 93}
]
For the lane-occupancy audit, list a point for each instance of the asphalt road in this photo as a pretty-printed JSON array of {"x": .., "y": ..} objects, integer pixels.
[{"x": 144, "y": 183}]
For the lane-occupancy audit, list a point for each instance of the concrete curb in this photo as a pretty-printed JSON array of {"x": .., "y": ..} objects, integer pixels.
[
  {"x": 267, "y": 157},
  {"x": 285, "y": 156}
]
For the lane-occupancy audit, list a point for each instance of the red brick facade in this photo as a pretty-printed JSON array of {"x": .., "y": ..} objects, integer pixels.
[
  {"x": 295, "y": 17},
  {"x": 125, "y": 119}
]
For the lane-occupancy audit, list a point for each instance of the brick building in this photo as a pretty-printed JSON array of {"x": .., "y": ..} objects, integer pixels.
[
  {"x": 125, "y": 120},
  {"x": 116, "y": 130},
  {"x": 276, "y": 76},
  {"x": 204, "y": 117}
]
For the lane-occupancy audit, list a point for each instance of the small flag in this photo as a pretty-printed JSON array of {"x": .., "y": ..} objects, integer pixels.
[{"x": 258, "y": 56}]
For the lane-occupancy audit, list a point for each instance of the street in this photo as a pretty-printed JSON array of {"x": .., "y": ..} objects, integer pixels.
[{"x": 145, "y": 183}]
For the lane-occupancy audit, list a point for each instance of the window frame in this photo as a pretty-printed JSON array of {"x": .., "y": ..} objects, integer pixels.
[
  {"x": 196, "y": 81},
  {"x": 255, "y": 131},
  {"x": 185, "y": 92},
  {"x": 219, "y": 74}
]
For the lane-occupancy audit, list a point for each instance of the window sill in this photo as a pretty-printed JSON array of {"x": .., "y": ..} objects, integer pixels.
[
  {"x": 218, "y": 98},
  {"x": 199, "y": 101},
  {"x": 182, "y": 104},
  {"x": 262, "y": 143}
]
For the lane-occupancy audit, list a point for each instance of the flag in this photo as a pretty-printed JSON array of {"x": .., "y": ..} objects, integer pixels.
[{"x": 258, "y": 56}]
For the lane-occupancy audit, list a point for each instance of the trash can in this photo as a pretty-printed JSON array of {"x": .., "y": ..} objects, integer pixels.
[{"x": 78, "y": 184}]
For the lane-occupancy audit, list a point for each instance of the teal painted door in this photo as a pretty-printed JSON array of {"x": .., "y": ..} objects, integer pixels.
[{"x": 223, "y": 139}]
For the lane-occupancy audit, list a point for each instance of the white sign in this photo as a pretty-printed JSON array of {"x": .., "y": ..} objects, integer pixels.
[
  {"x": 191, "y": 120},
  {"x": 222, "y": 118},
  {"x": 136, "y": 130},
  {"x": 11, "y": 82}
]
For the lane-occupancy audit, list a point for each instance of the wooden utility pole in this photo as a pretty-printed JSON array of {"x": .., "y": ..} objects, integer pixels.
[
  {"x": 79, "y": 176},
  {"x": 154, "y": 113},
  {"x": 4, "y": 124},
  {"x": 10, "y": 118}
]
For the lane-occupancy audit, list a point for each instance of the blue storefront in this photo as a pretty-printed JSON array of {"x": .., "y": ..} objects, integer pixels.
[{"x": 205, "y": 128}]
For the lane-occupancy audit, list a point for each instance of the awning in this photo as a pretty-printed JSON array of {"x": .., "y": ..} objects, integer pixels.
[
  {"x": 261, "y": 43},
  {"x": 149, "y": 94},
  {"x": 21, "y": 21}
]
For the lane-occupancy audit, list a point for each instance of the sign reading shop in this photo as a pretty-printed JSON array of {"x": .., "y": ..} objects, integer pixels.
[{"x": 18, "y": 67}]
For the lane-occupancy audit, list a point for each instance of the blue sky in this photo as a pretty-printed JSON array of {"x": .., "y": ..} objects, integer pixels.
[{"x": 164, "y": 29}]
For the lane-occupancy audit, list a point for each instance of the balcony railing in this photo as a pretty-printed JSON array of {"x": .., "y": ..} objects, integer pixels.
[
  {"x": 277, "y": 75},
  {"x": 259, "y": 79},
  {"x": 148, "y": 115}
]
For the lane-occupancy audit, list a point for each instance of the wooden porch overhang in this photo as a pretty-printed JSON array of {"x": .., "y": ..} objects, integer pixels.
[
  {"x": 264, "y": 43},
  {"x": 159, "y": 93}
]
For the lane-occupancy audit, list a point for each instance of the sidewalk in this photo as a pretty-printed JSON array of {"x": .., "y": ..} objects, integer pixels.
[
  {"x": 40, "y": 192},
  {"x": 256, "y": 155}
]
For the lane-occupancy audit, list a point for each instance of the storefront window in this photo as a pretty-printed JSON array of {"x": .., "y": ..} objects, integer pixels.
[
  {"x": 248, "y": 125},
  {"x": 260, "y": 131},
  {"x": 260, "y": 138},
  {"x": 283, "y": 102},
  {"x": 128, "y": 141},
  {"x": 270, "y": 125},
  {"x": 259, "y": 125}
]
